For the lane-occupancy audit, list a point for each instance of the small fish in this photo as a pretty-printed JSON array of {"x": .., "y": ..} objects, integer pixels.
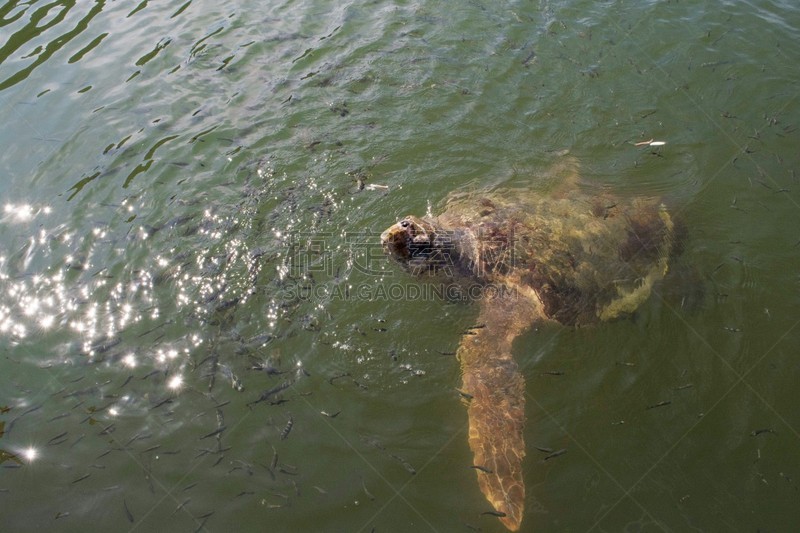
[
  {"x": 182, "y": 505},
  {"x": 366, "y": 491},
  {"x": 81, "y": 478},
  {"x": 162, "y": 402},
  {"x": 215, "y": 432},
  {"x": 236, "y": 383},
  {"x": 56, "y": 438},
  {"x": 405, "y": 463},
  {"x": 527, "y": 60},
  {"x": 271, "y": 392},
  {"x": 128, "y": 513},
  {"x": 287, "y": 428},
  {"x": 760, "y": 431},
  {"x": 339, "y": 376},
  {"x": 481, "y": 468},
  {"x": 659, "y": 404},
  {"x": 138, "y": 436},
  {"x": 105, "y": 345},
  {"x": 204, "y": 518},
  {"x": 274, "y": 462},
  {"x": 494, "y": 513},
  {"x": 555, "y": 454}
]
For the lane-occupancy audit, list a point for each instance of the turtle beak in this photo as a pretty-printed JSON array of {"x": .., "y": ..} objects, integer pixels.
[
  {"x": 395, "y": 241},
  {"x": 385, "y": 237}
]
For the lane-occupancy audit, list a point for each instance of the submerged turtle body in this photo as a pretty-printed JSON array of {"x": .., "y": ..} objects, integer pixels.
[
  {"x": 574, "y": 259},
  {"x": 588, "y": 258}
]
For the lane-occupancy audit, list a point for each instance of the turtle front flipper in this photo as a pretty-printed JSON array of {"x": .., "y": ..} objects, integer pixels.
[{"x": 495, "y": 390}]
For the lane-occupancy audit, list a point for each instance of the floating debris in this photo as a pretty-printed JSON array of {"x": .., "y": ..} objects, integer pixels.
[
  {"x": 236, "y": 383},
  {"x": 651, "y": 142}
]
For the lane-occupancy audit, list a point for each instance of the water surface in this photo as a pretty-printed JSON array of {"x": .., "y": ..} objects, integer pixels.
[{"x": 192, "y": 194}]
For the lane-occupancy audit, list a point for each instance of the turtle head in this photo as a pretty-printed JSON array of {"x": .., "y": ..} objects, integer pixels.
[{"x": 411, "y": 242}]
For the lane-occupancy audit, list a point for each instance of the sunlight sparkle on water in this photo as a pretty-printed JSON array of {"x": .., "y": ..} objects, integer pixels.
[
  {"x": 175, "y": 382},
  {"x": 20, "y": 212},
  {"x": 47, "y": 321},
  {"x": 30, "y": 453}
]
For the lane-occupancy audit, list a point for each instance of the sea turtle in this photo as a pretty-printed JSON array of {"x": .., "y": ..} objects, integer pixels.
[{"x": 575, "y": 258}]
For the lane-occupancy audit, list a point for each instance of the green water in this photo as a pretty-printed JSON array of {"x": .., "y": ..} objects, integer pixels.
[{"x": 193, "y": 190}]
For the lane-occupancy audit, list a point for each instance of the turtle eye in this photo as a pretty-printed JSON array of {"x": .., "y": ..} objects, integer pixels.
[{"x": 404, "y": 223}]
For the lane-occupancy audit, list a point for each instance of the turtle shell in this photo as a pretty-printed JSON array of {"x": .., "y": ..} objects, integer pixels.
[{"x": 587, "y": 257}]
